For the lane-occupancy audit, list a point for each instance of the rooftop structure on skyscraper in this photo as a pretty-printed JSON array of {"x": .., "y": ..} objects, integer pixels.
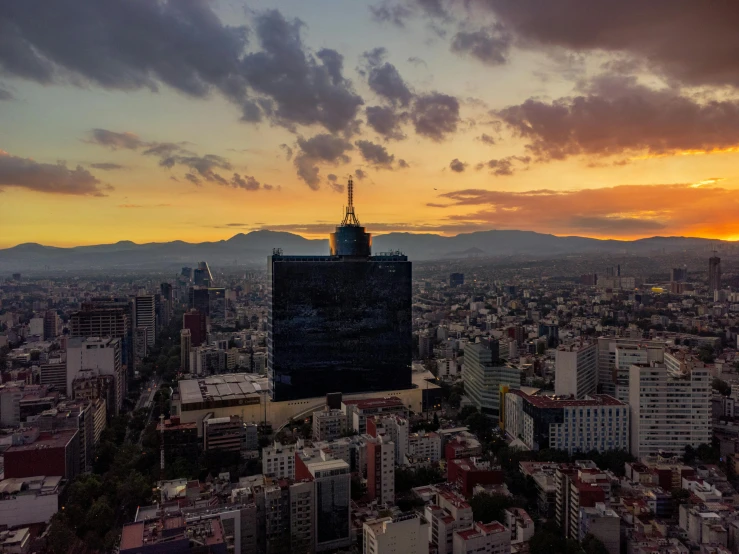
[{"x": 350, "y": 238}]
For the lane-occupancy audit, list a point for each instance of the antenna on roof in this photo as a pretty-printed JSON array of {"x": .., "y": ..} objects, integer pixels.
[{"x": 350, "y": 218}]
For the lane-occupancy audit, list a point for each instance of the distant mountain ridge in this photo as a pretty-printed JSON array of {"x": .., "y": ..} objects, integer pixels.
[{"x": 253, "y": 248}]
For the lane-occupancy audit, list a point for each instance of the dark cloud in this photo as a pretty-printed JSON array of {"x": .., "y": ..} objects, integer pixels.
[
  {"x": 434, "y": 8},
  {"x": 617, "y": 115},
  {"x": 331, "y": 177},
  {"x": 415, "y": 60},
  {"x": 390, "y": 13},
  {"x": 693, "y": 42},
  {"x": 300, "y": 89},
  {"x": 204, "y": 166},
  {"x": 136, "y": 206},
  {"x": 5, "y": 95},
  {"x": 193, "y": 179},
  {"x": 385, "y": 80},
  {"x": 403, "y": 164},
  {"x": 375, "y": 154},
  {"x": 246, "y": 182},
  {"x": 288, "y": 151},
  {"x": 504, "y": 166},
  {"x": 490, "y": 46},
  {"x": 115, "y": 141},
  {"x": 107, "y": 166},
  {"x": 435, "y": 115},
  {"x": 360, "y": 174},
  {"x": 374, "y": 57},
  {"x": 336, "y": 187},
  {"x": 386, "y": 121},
  {"x": 323, "y": 148},
  {"x": 457, "y": 166},
  {"x": 50, "y": 178},
  {"x": 133, "y": 44},
  {"x": 487, "y": 139}
]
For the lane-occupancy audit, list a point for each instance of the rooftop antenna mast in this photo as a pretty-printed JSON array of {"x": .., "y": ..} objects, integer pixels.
[{"x": 350, "y": 218}]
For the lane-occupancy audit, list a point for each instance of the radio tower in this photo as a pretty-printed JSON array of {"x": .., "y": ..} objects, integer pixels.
[{"x": 350, "y": 218}]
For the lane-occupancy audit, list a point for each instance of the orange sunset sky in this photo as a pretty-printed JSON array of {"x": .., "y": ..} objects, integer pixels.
[{"x": 195, "y": 120}]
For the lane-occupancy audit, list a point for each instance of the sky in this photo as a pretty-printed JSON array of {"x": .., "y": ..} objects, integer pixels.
[{"x": 195, "y": 120}]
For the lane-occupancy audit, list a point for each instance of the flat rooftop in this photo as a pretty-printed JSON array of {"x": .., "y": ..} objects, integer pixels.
[
  {"x": 232, "y": 386},
  {"x": 568, "y": 402},
  {"x": 58, "y": 439}
]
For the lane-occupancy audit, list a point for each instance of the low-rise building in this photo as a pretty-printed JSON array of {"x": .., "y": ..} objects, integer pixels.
[
  {"x": 28, "y": 500},
  {"x": 492, "y": 538},
  {"x": 278, "y": 461},
  {"x": 328, "y": 424},
  {"x": 223, "y": 433},
  {"x": 401, "y": 534}
]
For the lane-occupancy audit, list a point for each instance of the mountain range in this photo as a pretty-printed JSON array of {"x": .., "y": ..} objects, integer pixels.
[{"x": 251, "y": 249}]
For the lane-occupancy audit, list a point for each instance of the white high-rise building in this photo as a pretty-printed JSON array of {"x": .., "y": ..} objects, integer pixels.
[
  {"x": 403, "y": 534},
  {"x": 626, "y": 356},
  {"x": 484, "y": 373},
  {"x": 575, "y": 372},
  {"x": 278, "y": 461},
  {"x": 91, "y": 357},
  {"x": 393, "y": 427},
  {"x": 145, "y": 316},
  {"x": 669, "y": 409},
  {"x": 607, "y": 358}
]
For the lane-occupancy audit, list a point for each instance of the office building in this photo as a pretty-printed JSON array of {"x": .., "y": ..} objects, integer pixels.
[
  {"x": 167, "y": 303},
  {"x": 597, "y": 422},
  {"x": 93, "y": 357},
  {"x": 202, "y": 277},
  {"x": 51, "y": 325},
  {"x": 485, "y": 375},
  {"x": 185, "y": 346},
  {"x": 178, "y": 439},
  {"x": 406, "y": 533},
  {"x": 492, "y": 538},
  {"x": 196, "y": 322},
  {"x": 575, "y": 372},
  {"x": 144, "y": 317},
  {"x": 199, "y": 299},
  {"x": 456, "y": 279},
  {"x": 626, "y": 356},
  {"x": 278, "y": 461},
  {"x": 670, "y": 408},
  {"x": 54, "y": 374},
  {"x": 332, "y": 483},
  {"x": 340, "y": 322},
  {"x": 714, "y": 273},
  {"x": 607, "y": 346},
  {"x": 107, "y": 317},
  {"x": 217, "y": 305}
]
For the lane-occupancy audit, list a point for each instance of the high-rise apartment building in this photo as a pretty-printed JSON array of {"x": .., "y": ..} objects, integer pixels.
[
  {"x": 608, "y": 374},
  {"x": 340, "y": 322},
  {"x": 381, "y": 470},
  {"x": 670, "y": 408},
  {"x": 107, "y": 317},
  {"x": 145, "y": 317},
  {"x": 403, "y": 534},
  {"x": 485, "y": 375},
  {"x": 94, "y": 357},
  {"x": 278, "y": 461},
  {"x": 332, "y": 483},
  {"x": 714, "y": 273},
  {"x": 575, "y": 370}
]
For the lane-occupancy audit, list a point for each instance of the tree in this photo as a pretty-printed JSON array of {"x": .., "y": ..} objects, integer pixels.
[
  {"x": 721, "y": 386},
  {"x": 489, "y": 507},
  {"x": 60, "y": 539},
  {"x": 465, "y": 412},
  {"x": 593, "y": 545}
]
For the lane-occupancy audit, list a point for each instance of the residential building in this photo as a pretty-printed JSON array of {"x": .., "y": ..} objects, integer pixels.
[
  {"x": 446, "y": 513},
  {"x": 54, "y": 374},
  {"x": 278, "y": 461},
  {"x": 331, "y": 479},
  {"x": 357, "y": 411},
  {"x": 670, "y": 409},
  {"x": 604, "y": 524},
  {"x": 575, "y": 371},
  {"x": 598, "y": 422},
  {"x": 381, "y": 470},
  {"x": 424, "y": 447},
  {"x": 328, "y": 424},
  {"x": 466, "y": 473},
  {"x": 402, "y": 534},
  {"x": 173, "y": 534},
  {"x": 224, "y": 433},
  {"x": 491, "y": 538},
  {"x": 91, "y": 357},
  {"x": 607, "y": 346},
  {"x": 54, "y": 453},
  {"x": 394, "y": 428}
]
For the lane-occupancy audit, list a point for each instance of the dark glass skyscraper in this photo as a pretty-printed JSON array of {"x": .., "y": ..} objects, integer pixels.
[{"x": 342, "y": 322}]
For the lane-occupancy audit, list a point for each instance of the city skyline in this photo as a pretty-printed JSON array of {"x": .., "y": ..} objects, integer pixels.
[{"x": 216, "y": 118}]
